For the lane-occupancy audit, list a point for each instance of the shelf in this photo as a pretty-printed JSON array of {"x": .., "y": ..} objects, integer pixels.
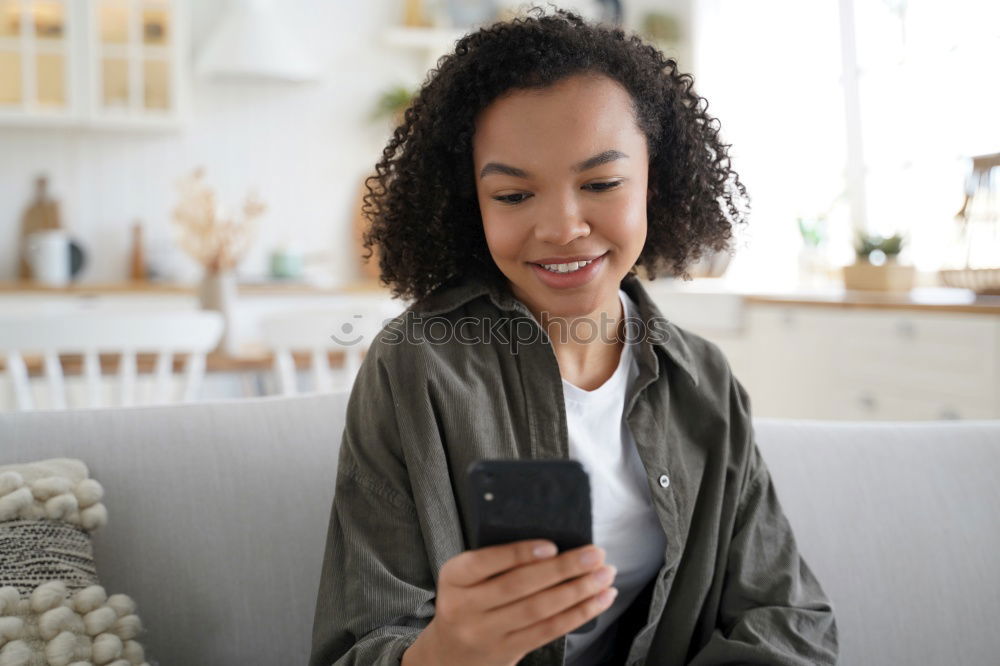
[
  {"x": 433, "y": 42},
  {"x": 153, "y": 288},
  {"x": 426, "y": 38}
]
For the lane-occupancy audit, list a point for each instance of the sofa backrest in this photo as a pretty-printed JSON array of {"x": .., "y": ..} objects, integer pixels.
[
  {"x": 218, "y": 515},
  {"x": 901, "y": 524}
]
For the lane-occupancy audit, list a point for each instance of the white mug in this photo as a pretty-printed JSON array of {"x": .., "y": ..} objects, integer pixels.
[{"x": 47, "y": 253}]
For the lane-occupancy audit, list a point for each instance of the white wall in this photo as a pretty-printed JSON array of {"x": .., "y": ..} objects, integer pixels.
[{"x": 304, "y": 147}]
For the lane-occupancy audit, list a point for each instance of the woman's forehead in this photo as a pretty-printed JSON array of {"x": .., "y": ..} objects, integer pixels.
[
  {"x": 572, "y": 120},
  {"x": 573, "y": 96}
]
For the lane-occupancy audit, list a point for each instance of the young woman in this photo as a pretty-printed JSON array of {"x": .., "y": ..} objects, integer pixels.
[{"x": 539, "y": 166}]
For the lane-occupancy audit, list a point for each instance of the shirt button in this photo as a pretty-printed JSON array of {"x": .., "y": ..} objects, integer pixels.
[{"x": 664, "y": 481}]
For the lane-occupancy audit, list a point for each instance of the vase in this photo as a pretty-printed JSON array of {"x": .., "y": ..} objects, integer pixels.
[
  {"x": 217, "y": 291},
  {"x": 814, "y": 268}
]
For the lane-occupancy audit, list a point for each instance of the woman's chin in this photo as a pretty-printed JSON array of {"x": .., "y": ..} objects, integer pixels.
[{"x": 566, "y": 306}]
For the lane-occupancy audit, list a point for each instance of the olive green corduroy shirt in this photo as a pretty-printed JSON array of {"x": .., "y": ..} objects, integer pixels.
[{"x": 468, "y": 374}]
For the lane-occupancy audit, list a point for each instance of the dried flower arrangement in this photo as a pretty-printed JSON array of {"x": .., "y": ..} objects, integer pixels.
[{"x": 214, "y": 239}]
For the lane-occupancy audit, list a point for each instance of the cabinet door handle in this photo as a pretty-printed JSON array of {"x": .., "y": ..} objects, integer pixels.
[
  {"x": 788, "y": 318},
  {"x": 906, "y": 329},
  {"x": 950, "y": 413}
]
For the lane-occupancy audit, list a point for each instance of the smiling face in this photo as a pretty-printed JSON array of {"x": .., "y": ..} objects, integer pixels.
[{"x": 561, "y": 176}]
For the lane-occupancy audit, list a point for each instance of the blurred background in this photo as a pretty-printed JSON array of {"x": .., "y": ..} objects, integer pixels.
[{"x": 180, "y": 185}]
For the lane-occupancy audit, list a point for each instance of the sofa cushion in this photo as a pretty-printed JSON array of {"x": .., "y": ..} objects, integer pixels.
[{"x": 52, "y": 609}]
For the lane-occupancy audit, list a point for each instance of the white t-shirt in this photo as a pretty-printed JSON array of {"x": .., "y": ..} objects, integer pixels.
[{"x": 599, "y": 437}]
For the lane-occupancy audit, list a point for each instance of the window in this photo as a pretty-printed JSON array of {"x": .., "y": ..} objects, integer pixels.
[{"x": 887, "y": 149}]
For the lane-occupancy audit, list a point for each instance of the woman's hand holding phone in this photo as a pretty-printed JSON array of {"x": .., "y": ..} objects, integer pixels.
[{"x": 496, "y": 604}]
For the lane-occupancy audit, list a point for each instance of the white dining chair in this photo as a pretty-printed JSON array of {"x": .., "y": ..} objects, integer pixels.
[
  {"x": 349, "y": 328},
  {"x": 126, "y": 334}
]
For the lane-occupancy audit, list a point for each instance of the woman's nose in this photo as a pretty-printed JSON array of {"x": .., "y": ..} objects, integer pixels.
[{"x": 561, "y": 222}]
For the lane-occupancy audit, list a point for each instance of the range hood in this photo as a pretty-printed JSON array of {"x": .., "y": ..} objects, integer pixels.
[{"x": 251, "y": 41}]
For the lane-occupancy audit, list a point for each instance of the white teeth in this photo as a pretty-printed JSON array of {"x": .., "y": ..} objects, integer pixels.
[{"x": 566, "y": 268}]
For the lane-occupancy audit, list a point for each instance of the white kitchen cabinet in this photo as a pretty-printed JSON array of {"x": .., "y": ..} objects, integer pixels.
[
  {"x": 833, "y": 363},
  {"x": 94, "y": 63},
  {"x": 39, "y": 56}
]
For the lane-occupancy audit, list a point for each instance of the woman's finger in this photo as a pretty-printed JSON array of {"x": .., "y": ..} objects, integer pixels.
[
  {"x": 549, "y": 603},
  {"x": 475, "y": 566},
  {"x": 538, "y": 634},
  {"x": 528, "y": 579}
]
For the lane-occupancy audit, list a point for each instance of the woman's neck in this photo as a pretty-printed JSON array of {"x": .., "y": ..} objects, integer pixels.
[{"x": 588, "y": 352}]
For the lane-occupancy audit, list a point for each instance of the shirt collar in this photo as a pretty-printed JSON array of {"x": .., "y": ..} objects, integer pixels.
[{"x": 667, "y": 336}]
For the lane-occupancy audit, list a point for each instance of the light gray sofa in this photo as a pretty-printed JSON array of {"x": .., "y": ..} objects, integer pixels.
[{"x": 218, "y": 516}]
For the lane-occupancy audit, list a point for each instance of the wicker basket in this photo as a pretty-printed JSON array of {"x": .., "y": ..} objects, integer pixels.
[{"x": 980, "y": 280}]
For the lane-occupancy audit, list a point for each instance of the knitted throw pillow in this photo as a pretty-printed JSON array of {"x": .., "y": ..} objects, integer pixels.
[{"x": 53, "y": 612}]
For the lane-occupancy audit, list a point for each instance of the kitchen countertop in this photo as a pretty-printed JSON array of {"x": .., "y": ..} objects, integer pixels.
[
  {"x": 927, "y": 300},
  {"x": 935, "y": 299},
  {"x": 139, "y": 288}
]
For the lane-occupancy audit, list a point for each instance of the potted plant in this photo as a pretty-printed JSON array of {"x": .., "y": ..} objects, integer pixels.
[
  {"x": 877, "y": 267},
  {"x": 391, "y": 103}
]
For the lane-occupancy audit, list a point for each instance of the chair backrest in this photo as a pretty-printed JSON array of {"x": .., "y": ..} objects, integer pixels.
[
  {"x": 349, "y": 328},
  {"x": 192, "y": 333}
]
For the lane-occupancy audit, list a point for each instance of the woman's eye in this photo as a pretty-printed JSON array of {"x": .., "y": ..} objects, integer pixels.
[
  {"x": 603, "y": 187},
  {"x": 518, "y": 197},
  {"x": 512, "y": 198}
]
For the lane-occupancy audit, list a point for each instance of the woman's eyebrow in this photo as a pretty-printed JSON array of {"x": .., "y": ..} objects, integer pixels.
[{"x": 589, "y": 163}]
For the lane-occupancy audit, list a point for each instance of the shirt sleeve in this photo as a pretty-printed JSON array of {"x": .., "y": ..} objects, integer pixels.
[
  {"x": 376, "y": 588},
  {"x": 773, "y": 610}
]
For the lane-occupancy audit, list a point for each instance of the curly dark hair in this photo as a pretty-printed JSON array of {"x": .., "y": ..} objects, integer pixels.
[{"x": 422, "y": 203}]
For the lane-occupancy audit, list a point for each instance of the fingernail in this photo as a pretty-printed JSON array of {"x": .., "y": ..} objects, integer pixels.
[
  {"x": 607, "y": 597},
  {"x": 605, "y": 575},
  {"x": 589, "y": 557},
  {"x": 545, "y": 550}
]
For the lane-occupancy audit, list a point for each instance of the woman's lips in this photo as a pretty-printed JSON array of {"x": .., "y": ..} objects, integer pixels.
[{"x": 577, "y": 278}]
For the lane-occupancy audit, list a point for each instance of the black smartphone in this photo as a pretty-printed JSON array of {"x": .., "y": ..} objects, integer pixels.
[{"x": 514, "y": 500}]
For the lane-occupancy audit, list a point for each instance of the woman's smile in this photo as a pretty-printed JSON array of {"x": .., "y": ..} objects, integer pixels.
[{"x": 568, "y": 274}]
